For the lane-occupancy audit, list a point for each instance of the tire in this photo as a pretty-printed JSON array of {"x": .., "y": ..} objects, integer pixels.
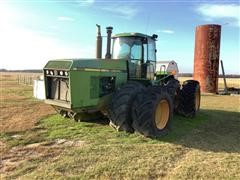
[
  {"x": 189, "y": 98},
  {"x": 120, "y": 106},
  {"x": 173, "y": 88},
  {"x": 152, "y": 112}
]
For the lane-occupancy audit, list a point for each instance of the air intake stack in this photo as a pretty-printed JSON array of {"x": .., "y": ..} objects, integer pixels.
[{"x": 109, "y": 34}]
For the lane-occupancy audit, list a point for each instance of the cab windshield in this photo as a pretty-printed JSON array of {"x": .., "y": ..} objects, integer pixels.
[
  {"x": 134, "y": 48},
  {"x": 127, "y": 48},
  {"x": 140, "y": 52}
]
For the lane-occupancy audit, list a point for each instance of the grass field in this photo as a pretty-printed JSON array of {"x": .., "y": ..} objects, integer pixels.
[{"x": 36, "y": 143}]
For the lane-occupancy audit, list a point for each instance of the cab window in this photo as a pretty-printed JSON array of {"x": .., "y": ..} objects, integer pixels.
[
  {"x": 127, "y": 48},
  {"x": 149, "y": 50}
]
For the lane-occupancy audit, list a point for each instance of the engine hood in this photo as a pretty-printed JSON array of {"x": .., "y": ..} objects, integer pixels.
[{"x": 80, "y": 64}]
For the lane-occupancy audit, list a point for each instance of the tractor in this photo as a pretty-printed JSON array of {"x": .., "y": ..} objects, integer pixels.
[{"x": 127, "y": 86}]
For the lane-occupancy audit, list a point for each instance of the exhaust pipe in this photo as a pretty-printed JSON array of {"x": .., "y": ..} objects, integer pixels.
[
  {"x": 99, "y": 43},
  {"x": 109, "y": 34}
]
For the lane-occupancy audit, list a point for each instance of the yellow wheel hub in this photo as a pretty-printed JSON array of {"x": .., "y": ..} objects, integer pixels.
[
  {"x": 162, "y": 114},
  {"x": 197, "y": 100}
]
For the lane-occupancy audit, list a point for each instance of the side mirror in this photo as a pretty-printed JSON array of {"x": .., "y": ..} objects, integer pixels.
[{"x": 154, "y": 36}]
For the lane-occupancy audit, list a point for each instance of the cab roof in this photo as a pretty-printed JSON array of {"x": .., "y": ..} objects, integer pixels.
[{"x": 132, "y": 34}]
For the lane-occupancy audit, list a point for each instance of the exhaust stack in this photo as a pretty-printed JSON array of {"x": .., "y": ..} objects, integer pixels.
[
  {"x": 98, "y": 43},
  {"x": 109, "y": 34}
]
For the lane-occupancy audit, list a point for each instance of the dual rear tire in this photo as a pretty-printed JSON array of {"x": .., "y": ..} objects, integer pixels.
[
  {"x": 186, "y": 99},
  {"x": 189, "y": 98}
]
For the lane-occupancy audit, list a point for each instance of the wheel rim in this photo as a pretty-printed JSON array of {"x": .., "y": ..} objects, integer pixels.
[
  {"x": 162, "y": 114},
  {"x": 197, "y": 100}
]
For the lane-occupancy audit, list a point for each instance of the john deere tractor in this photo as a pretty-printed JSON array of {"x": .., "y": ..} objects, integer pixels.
[{"x": 126, "y": 86}]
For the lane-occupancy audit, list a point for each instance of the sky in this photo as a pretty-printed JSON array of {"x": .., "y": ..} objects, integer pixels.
[{"x": 33, "y": 32}]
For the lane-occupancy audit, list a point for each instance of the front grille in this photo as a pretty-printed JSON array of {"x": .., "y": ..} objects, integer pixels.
[{"x": 58, "y": 88}]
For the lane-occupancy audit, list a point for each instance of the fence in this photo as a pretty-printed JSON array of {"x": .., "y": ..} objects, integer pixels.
[{"x": 28, "y": 79}]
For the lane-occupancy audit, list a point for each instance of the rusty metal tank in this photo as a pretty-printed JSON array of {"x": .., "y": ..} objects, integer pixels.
[{"x": 206, "y": 56}]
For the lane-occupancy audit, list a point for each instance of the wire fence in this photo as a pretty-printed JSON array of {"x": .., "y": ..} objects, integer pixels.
[
  {"x": 19, "y": 78},
  {"x": 28, "y": 79}
]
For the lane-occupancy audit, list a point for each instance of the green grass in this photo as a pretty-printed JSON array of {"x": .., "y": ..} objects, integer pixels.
[{"x": 97, "y": 133}]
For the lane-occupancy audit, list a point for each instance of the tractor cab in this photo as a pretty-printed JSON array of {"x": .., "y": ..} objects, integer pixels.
[{"x": 140, "y": 51}]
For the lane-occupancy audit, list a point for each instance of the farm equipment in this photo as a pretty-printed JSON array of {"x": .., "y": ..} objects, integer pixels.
[{"x": 127, "y": 86}]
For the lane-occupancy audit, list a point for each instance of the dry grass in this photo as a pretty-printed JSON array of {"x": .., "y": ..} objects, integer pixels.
[
  {"x": 231, "y": 82},
  {"x": 19, "y": 110},
  {"x": 206, "y": 147}
]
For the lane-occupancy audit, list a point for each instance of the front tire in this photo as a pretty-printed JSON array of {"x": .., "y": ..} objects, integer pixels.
[
  {"x": 120, "y": 106},
  {"x": 152, "y": 112}
]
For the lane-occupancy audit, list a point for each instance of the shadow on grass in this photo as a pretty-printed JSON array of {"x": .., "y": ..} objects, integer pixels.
[
  {"x": 210, "y": 130},
  {"x": 102, "y": 121}
]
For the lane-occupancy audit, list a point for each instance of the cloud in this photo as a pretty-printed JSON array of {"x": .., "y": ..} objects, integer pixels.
[
  {"x": 64, "y": 18},
  {"x": 32, "y": 50},
  {"x": 228, "y": 12},
  {"x": 85, "y": 2},
  {"x": 126, "y": 12},
  {"x": 167, "y": 31},
  {"x": 25, "y": 48}
]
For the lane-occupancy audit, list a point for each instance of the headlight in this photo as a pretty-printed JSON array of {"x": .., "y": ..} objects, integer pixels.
[
  {"x": 51, "y": 72},
  {"x": 66, "y": 73},
  {"x": 47, "y": 72},
  {"x": 61, "y": 73}
]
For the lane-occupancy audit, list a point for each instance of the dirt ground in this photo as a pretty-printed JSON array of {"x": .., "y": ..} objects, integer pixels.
[
  {"x": 38, "y": 152},
  {"x": 20, "y": 112}
]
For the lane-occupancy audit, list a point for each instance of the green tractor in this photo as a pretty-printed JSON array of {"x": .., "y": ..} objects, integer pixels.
[{"x": 126, "y": 86}]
